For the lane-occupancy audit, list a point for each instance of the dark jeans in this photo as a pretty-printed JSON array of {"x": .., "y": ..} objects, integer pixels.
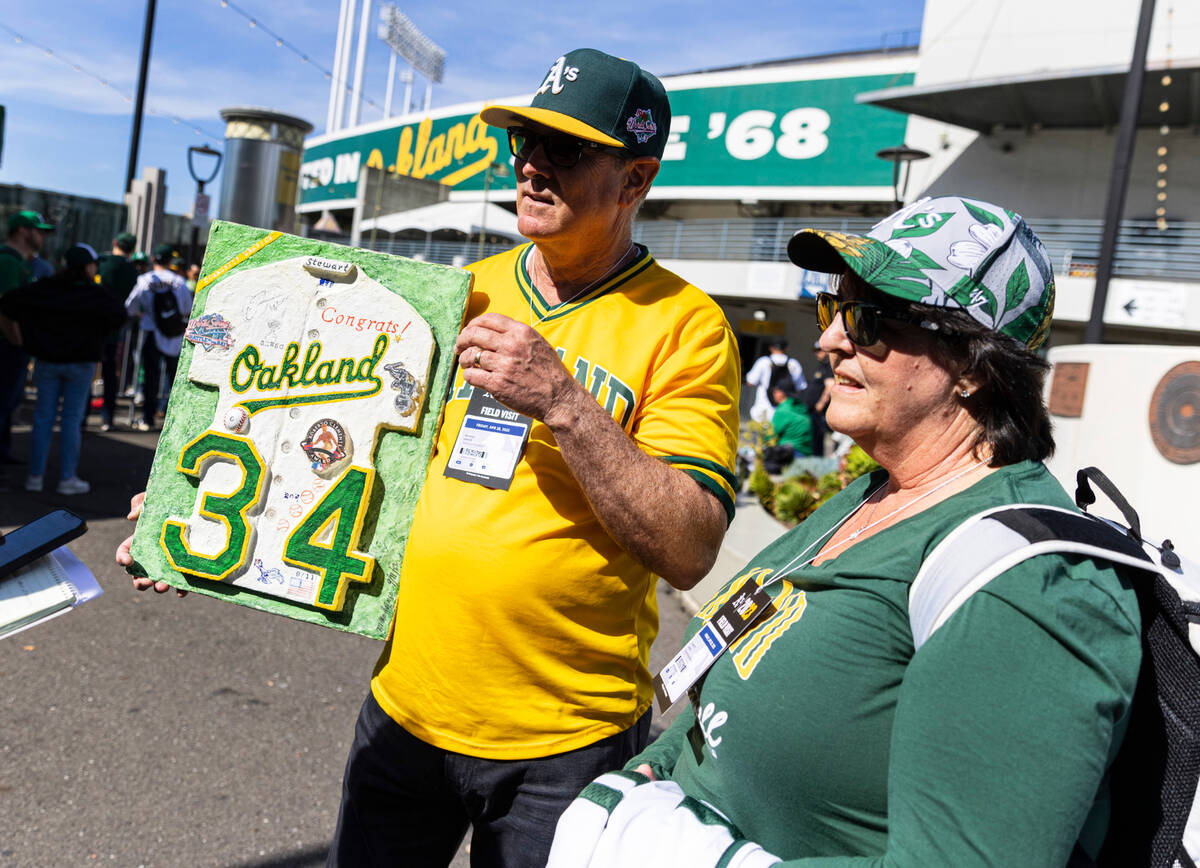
[
  {"x": 150, "y": 367},
  {"x": 14, "y": 369},
  {"x": 108, "y": 372},
  {"x": 405, "y": 802}
]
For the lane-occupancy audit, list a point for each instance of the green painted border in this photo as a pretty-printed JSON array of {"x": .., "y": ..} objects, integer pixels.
[{"x": 439, "y": 293}]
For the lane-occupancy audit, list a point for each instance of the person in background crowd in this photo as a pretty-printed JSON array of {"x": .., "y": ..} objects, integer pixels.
[
  {"x": 26, "y": 235},
  {"x": 141, "y": 262},
  {"x": 816, "y": 398},
  {"x": 790, "y": 422},
  {"x": 823, "y": 735},
  {"x": 117, "y": 276},
  {"x": 40, "y": 269},
  {"x": 193, "y": 277},
  {"x": 62, "y": 322},
  {"x": 157, "y": 294},
  {"x": 767, "y": 372}
]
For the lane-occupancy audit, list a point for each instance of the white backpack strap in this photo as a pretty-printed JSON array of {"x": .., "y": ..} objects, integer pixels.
[{"x": 982, "y": 548}]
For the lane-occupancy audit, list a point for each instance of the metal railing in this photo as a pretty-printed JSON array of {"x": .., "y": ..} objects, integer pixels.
[
  {"x": 1143, "y": 250},
  {"x": 458, "y": 253}
]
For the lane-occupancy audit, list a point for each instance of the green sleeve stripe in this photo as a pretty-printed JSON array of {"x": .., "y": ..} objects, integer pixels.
[
  {"x": 707, "y": 815},
  {"x": 606, "y": 797},
  {"x": 715, "y": 487},
  {"x": 719, "y": 469},
  {"x": 732, "y": 850}
]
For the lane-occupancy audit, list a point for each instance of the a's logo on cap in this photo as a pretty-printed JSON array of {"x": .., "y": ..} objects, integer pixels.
[
  {"x": 642, "y": 126},
  {"x": 554, "y": 78}
]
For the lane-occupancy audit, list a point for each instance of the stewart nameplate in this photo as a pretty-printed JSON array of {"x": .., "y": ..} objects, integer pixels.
[{"x": 300, "y": 425}]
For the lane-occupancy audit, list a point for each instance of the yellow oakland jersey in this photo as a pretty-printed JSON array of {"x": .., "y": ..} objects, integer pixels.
[{"x": 522, "y": 629}]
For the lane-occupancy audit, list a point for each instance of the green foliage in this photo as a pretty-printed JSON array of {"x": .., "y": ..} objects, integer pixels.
[
  {"x": 830, "y": 483},
  {"x": 761, "y": 486},
  {"x": 856, "y": 463},
  {"x": 794, "y": 499}
]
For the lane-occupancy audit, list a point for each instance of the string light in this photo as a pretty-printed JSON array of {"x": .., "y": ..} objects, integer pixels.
[
  {"x": 1164, "y": 130},
  {"x": 102, "y": 81},
  {"x": 280, "y": 42}
]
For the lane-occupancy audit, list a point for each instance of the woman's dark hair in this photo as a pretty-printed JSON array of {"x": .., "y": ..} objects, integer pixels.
[{"x": 1008, "y": 404}]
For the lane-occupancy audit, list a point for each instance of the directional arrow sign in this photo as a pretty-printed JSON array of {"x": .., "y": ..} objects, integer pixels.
[{"x": 1146, "y": 303}]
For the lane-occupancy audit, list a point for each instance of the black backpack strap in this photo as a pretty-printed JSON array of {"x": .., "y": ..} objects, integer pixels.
[{"x": 1085, "y": 497}]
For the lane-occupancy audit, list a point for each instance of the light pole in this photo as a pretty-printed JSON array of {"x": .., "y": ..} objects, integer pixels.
[
  {"x": 135, "y": 136},
  {"x": 901, "y": 155},
  {"x": 200, "y": 207},
  {"x": 494, "y": 170}
]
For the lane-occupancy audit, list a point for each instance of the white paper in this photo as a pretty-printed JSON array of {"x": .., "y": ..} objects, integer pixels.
[{"x": 49, "y": 586}]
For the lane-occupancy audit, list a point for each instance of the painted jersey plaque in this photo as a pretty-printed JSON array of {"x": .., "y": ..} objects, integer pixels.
[{"x": 300, "y": 426}]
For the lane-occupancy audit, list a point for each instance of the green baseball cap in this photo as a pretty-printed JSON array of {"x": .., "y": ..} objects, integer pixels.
[
  {"x": 126, "y": 241},
  {"x": 28, "y": 220},
  {"x": 947, "y": 252},
  {"x": 164, "y": 253},
  {"x": 598, "y": 98},
  {"x": 140, "y": 256}
]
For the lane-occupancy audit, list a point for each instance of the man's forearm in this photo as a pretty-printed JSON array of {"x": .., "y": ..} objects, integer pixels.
[{"x": 656, "y": 512}]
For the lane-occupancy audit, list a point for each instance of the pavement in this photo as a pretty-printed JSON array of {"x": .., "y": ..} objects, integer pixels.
[{"x": 148, "y": 730}]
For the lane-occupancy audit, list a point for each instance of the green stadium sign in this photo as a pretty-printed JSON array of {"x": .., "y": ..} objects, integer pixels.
[{"x": 774, "y": 134}]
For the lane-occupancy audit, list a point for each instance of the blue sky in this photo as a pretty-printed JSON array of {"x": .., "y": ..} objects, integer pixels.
[{"x": 66, "y": 131}]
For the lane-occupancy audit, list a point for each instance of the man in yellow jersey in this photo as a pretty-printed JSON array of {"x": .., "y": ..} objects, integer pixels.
[{"x": 587, "y": 448}]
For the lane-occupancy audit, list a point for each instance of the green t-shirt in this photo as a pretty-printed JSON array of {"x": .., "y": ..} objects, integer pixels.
[
  {"x": 117, "y": 275},
  {"x": 828, "y": 742},
  {"x": 14, "y": 269},
  {"x": 793, "y": 426}
]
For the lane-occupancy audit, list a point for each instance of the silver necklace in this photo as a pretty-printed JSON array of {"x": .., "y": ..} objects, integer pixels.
[{"x": 620, "y": 264}]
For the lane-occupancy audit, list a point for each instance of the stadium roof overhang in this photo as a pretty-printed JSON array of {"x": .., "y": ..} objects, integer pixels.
[{"x": 1073, "y": 99}]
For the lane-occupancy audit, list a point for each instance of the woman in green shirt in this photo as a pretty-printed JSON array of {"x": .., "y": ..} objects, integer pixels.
[{"x": 820, "y": 738}]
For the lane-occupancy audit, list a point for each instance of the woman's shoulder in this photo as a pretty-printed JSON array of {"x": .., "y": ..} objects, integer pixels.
[
  {"x": 1079, "y": 590},
  {"x": 1023, "y": 482}
]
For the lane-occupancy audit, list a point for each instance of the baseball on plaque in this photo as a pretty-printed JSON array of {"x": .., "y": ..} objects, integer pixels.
[{"x": 300, "y": 426}]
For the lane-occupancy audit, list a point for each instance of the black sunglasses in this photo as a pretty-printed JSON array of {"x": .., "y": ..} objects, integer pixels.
[
  {"x": 862, "y": 319},
  {"x": 561, "y": 150}
]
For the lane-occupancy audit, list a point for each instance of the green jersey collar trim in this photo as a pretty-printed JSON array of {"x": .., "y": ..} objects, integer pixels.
[{"x": 545, "y": 312}]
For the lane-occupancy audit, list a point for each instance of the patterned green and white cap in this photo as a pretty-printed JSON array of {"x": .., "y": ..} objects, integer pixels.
[{"x": 947, "y": 252}]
